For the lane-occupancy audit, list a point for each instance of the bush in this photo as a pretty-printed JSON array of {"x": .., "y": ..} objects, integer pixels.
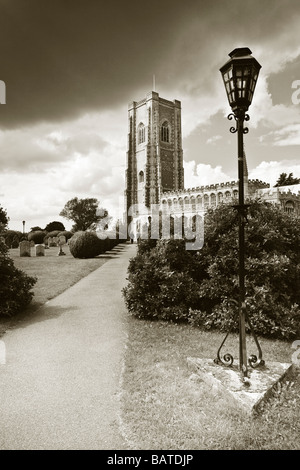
[
  {"x": 10, "y": 236},
  {"x": 168, "y": 282},
  {"x": 272, "y": 264},
  {"x": 15, "y": 285},
  {"x": 37, "y": 237},
  {"x": 160, "y": 284},
  {"x": 15, "y": 243},
  {"x": 85, "y": 245}
]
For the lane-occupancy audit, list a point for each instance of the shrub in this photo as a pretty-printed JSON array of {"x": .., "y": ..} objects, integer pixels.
[
  {"x": 167, "y": 282},
  {"x": 15, "y": 243},
  {"x": 37, "y": 237},
  {"x": 160, "y": 286},
  {"x": 15, "y": 285},
  {"x": 10, "y": 236},
  {"x": 85, "y": 245},
  {"x": 53, "y": 233}
]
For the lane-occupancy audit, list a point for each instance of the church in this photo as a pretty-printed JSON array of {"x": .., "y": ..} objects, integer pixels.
[{"x": 155, "y": 173}]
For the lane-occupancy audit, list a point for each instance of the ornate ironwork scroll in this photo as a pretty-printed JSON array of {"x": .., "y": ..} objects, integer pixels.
[
  {"x": 227, "y": 359},
  {"x": 233, "y": 129}
]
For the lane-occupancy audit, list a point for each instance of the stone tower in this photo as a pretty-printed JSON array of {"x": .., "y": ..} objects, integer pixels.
[{"x": 154, "y": 157}]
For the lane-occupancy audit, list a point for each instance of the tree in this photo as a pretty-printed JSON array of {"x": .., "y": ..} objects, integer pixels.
[
  {"x": 286, "y": 180},
  {"x": 35, "y": 229},
  {"x": 85, "y": 213},
  {"x": 4, "y": 219},
  {"x": 54, "y": 226}
]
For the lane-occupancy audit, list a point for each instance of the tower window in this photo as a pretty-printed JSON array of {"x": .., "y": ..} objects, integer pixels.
[
  {"x": 141, "y": 177},
  {"x": 141, "y": 133},
  {"x": 165, "y": 132}
]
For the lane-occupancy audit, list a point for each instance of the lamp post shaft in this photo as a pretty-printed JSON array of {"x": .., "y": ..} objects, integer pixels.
[
  {"x": 242, "y": 218},
  {"x": 240, "y": 75}
]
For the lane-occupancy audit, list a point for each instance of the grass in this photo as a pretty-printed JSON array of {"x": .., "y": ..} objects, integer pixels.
[
  {"x": 166, "y": 406},
  {"x": 54, "y": 275}
]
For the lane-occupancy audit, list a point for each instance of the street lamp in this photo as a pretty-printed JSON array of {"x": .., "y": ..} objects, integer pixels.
[{"x": 240, "y": 75}]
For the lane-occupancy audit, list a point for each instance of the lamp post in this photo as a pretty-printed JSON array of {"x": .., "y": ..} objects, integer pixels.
[{"x": 240, "y": 75}]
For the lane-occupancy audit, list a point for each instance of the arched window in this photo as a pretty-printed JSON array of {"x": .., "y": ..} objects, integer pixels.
[
  {"x": 199, "y": 202},
  {"x": 213, "y": 199},
  {"x": 141, "y": 133},
  {"x": 289, "y": 207},
  {"x": 141, "y": 177},
  {"x": 164, "y": 132}
]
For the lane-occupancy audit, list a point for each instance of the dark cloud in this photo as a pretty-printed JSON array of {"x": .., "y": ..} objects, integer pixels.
[
  {"x": 60, "y": 58},
  {"x": 280, "y": 84}
]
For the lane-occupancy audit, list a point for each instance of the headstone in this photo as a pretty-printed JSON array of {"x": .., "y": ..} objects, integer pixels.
[
  {"x": 40, "y": 250},
  {"x": 25, "y": 248},
  {"x": 61, "y": 243},
  {"x": 32, "y": 244},
  {"x": 62, "y": 240}
]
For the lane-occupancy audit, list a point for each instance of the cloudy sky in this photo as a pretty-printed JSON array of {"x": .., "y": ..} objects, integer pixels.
[{"x": 72, "y": 66}]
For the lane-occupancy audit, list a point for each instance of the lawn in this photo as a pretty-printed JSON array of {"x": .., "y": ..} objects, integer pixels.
[
  {"x": 166, "y": 406},
  {"x": 54, "y": 275}
]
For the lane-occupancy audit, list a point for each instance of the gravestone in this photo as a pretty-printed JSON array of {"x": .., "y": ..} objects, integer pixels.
[
  {"x": 40, "y": 250},
  {"x": 25, "y": 249},
  {"x": 62, "y": 240},
  {"x": 32, "y": 244},
  {"x": 61, "y": 243}
]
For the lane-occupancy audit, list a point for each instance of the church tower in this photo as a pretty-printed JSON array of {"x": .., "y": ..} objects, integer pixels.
[{"x": 154, "y": 157}]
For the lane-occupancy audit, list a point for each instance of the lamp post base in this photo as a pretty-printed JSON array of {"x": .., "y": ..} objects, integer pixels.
[{"x": 227, "y": 381}]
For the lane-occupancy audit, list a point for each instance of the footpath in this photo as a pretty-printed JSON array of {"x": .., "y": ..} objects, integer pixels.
[{"x": 60, "y": 384}]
